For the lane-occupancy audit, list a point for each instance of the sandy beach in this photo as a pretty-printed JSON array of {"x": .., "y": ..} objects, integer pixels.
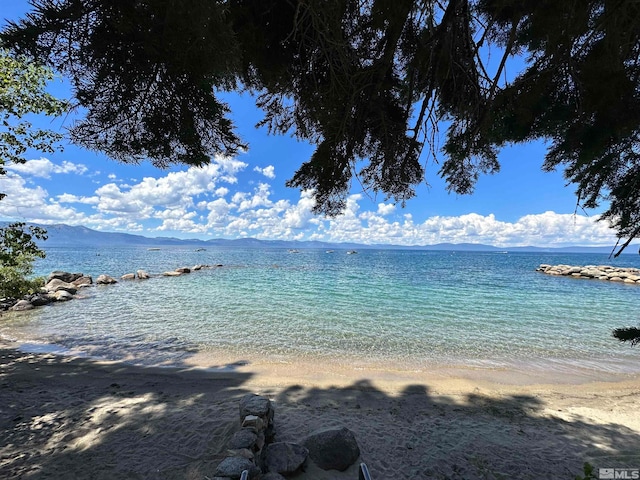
[{"x": 77, "y": 418}]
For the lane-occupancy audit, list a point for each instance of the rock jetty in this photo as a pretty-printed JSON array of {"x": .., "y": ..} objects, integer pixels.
[
  {"x": 62, "y": 286},
  {"x": 253, "y": 447},
  {"x": 597, "y": 272}
]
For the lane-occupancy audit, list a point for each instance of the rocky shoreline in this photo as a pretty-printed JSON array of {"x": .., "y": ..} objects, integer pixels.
[
  {"x": 598, "y": 272},
  {"x": 62, "y": 286}
]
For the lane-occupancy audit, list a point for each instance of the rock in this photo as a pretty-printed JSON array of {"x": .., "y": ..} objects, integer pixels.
[
  {"x": 172, "y": 274},
  {"x": 243, "y": 438},
  {"x": 254, "y": 422},
  {"x": 252, "y": 404},
  {"x": 40, "y": 299},
  {"x": 285, "y": 458},
  {"x": 183, "y": 270},
  {"x": 21, "y": 306},
  {"x": 64, "y": 276},
  {"x": 62, "y": 296},
  {"x": 197, "y": 267},
  {"x": 56, "y": 285},
  {"x": 272, "y": 476},
  {"x": 142, "y": 275},
  {"x": 233, "y": 467},
  {"x": 106, "y": 280},
  {"x": 242, "y": 452},
  {"x": 128, "y": 276},
  {"x": 333, "y": 448},
  {"x": 83, "y": 281}
]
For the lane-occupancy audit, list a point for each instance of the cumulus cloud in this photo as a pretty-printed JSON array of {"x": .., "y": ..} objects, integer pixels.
[
  {"x": 268, "y": 171},
  {"x": 44, "y": 168},
  {"x": 386, "y": 209},
  {"x": 207, "y": 201}
]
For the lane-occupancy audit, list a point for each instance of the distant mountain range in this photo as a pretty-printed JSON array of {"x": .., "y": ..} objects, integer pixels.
[{"x": 61, "y": 235}]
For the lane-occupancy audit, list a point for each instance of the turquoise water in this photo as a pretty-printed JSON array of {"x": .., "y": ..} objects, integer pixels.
[{"x": 416, "y": 309}]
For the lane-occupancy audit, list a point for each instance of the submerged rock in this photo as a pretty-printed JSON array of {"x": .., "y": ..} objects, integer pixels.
[{"x": 22, "y": 305}]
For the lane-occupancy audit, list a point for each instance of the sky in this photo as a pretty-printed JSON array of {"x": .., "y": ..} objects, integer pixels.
[{"x": 246, "y": 196}]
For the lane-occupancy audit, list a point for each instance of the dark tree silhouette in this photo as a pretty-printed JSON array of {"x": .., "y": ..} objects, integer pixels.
[{"x": 369, "y": 82}]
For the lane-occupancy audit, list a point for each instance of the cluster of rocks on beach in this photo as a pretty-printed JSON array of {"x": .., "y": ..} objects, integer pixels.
[
  {"x": 63, "y": 286},
  {"x": 598, "y": 272},
  {"x": 253, "y": 449}
]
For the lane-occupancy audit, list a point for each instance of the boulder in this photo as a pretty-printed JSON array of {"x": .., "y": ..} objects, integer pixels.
[
  {"x": 142, "y": 275},
  {"x": 233, "y": 467},
  {"x": 285, "y": 458},
  {"x": 22, "y": 305},
  {"x": 252, "y": 404},
  {"x": 62, "y": 296},
  {"x": 128, "y": 276},
  {"x": 197, "y": 267},
  {"x": 64, "y": 276},
  {"x": 106, "y": 280},
  {"x": 272, "y": 476},
  {"x": 183, "y": 270},
  {"x": 40, "y": 299},
  {"x": 56, "y": 285},
  {"x": 83, "y": 281},
  {"x": 243, "y": 438},
  {"x": 333, "y": 448},
  {"x": 172, "y": 274}
]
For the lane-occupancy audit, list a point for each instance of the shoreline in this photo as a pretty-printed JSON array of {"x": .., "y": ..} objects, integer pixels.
[
  {"x": 282, "y": 369},
  {"x": 78, "y": 417}
]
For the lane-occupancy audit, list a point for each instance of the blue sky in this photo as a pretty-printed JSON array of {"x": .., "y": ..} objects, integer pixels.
[{"x": 246, "y": 196}]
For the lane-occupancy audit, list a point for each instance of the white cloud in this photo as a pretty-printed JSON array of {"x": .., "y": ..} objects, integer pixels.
[
  {"x": 386, "y": 209},
  {"x": 69, "y": 198},
  {"x": 205, "y": 201},
  {"x": 268, "y": 171},
  {"x": 44, "y": 168}
]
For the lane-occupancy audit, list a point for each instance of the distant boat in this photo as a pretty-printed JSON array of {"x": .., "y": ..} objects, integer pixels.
[
  {"x": 153, "y": 248},
  {"x": 293, "y": 250},
  {"x": 201, "y": 249},
  {"x": 351, "y": 252},
  {"x": 329, "y": 251}
]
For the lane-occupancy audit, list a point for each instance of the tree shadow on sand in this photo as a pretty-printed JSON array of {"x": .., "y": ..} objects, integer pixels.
[{"x": 73, "y": 418}]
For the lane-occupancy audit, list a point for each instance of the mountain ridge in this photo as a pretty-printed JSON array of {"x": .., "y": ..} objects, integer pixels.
[{"x": 62, "y": 235}]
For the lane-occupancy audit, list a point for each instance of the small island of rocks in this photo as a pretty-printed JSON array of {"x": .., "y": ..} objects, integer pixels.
[{"x": 597, "y": 272}]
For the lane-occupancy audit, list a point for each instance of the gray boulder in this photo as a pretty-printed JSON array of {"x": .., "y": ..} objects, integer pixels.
[
  {"x": 333, "y": 448},
  {"x": 142, "y": 275},
  {"x": 183, "y": 270},
  {"x": 21, "y": 306},
  {"x": 62, "y": 296},
  {"x": 233, "y": 467},
  {"x": 55, "y": 285},
  {"x": 285, "y": 458},
  {"x": 172, "y": 274},
  {"x": 128, "y": 276},
  {"x": 83, "y": 281},
  {"x": 106, "y": 280},
  {"x": 243, "y": 438},
  {"x": 64, "y": 276},
  {"x": 272, "y": 476},
  {"x": 252, "y": 404},
  {"x": 40, "y": 299}
]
